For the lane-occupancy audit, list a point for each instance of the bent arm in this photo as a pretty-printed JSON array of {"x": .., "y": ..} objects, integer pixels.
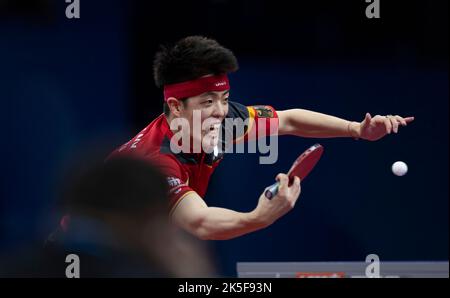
[{"x": 212, "y": 223}]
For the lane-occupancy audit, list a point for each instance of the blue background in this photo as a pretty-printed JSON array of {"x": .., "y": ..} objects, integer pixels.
[{"x": 69, "y": 85}]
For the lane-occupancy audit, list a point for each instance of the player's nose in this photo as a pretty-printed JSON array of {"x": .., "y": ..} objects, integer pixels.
[{"x": 219, "y": 110}]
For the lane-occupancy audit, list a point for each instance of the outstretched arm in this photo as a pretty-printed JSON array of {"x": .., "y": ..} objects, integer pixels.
[{"x": 311, "y": 124}]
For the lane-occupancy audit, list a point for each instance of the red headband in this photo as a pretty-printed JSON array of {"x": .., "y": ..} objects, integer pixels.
[{"x": 196, "y": 87}]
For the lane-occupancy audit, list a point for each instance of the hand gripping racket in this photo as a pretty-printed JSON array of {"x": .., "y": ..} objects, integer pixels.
[{"x": 301, "y": 167}]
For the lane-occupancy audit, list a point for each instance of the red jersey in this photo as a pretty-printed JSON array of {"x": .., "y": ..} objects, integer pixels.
[{"x": 190, "y": 172}]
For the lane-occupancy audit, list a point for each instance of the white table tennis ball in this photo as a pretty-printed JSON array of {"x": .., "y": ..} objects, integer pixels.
[{"x": 399, "y": 168}]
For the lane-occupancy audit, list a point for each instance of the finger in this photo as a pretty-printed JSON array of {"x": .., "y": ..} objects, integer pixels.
[
  {"x": 294, "y": 191},
  {"x": 368, "y": 118},
  {"x": 296, "y": 185},
  {"x": 366, "y": 122},
  {"x": 401, "y": 120},
  {"x": 394, "y": 124},
  {"x": 409, "y": 119},
  {"x": 278, "y": 177},
  {"x": 388, "y": 125},
  {"x": 284, "y": 180}
]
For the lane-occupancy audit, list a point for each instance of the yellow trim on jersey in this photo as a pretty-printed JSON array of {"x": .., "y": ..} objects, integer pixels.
[
  {"x": 251, "y": 120},
  {"x": 178, "y": 202}
]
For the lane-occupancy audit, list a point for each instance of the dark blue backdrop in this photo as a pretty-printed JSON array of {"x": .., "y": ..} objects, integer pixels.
[
  {"x": 352, "y": 205},
  {"x": 67, "y": 83}
]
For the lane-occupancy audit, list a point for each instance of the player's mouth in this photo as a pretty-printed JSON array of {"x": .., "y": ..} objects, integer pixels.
[{"x": 213, "y": 130}]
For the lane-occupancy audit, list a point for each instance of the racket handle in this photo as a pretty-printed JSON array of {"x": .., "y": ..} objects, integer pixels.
[{"x": 272, "y": 190}]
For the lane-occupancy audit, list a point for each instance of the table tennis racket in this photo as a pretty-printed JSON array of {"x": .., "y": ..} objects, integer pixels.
[{"x": 301, "y": 167}]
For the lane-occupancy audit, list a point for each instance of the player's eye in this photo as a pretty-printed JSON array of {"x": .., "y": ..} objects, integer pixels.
[{"x": 208, "y": 102}]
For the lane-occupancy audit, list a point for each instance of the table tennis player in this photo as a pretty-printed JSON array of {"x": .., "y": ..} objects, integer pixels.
[{"x": 193, "y": 74}]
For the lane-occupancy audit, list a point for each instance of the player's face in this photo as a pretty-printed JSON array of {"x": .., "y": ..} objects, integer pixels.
[{"x": 212, "y": 108}]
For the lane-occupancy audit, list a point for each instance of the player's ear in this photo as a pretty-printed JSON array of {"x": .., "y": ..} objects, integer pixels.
[{"x": 175, "y": 106}]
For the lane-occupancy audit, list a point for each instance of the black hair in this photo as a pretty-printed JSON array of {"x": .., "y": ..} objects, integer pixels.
[{"x": 190, "y": 58}]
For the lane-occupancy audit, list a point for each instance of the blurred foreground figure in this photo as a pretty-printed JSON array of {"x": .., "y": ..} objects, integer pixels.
[{"x": 116, "y": 225}]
